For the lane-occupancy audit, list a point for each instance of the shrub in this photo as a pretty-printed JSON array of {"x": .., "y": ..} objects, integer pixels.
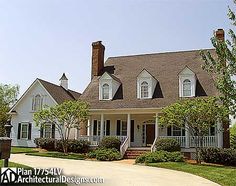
[
  {"x": 160, "y": 156},
  {"x": 50, "y": 144},
  {"x": 45, "y": 143},
  {"x": 110, "y": 142},
  {"x": 219, "y": 156},
  {"x": 167, "y": 144},
  {"x": 105, "y": 154},
  {"x": 76, "y": 146}
]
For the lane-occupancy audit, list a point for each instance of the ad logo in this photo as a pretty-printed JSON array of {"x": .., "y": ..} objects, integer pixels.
[{"x": 8, "y": 175}]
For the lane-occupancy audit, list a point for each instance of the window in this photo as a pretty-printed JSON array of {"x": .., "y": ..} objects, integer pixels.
[
  {"x": 37, "y": 102},
  {"x": 144, "y": 89},
  {"x": 105, "y": 91},
  {"x": 186, "y": 88},
  {"x": 48, "y": 131},
  {"x": 121, "y": 128},
  {"x": 175, "y": 131},
  {"x": 24, "y": 131}
]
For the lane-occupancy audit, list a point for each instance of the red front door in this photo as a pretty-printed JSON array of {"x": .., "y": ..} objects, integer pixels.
[{"x": 150, "y": 134}]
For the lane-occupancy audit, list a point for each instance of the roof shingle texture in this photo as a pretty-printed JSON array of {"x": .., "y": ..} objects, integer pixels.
[
  {"x": 165, "y": 67},
  {"x": 58, "y": 93}
]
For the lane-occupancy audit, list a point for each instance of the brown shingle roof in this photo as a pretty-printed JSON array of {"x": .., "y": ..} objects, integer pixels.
[
  {"x": 165, "y": 67},
  {"x": 58, "y": 93}
]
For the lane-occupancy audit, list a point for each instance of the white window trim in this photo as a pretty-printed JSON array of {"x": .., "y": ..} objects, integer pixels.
[
  {"x": 191, "y": 88},
  {"x": 27, "y": 131},
  {"x": 44, "y": 131},
  {"x": 102, "y": 91},
  {"x": 121, "y": 127},
  {"x": 99, "y": 127},
  {"x": 181, "y": 130},
  {"x": 148, "y": 90}
]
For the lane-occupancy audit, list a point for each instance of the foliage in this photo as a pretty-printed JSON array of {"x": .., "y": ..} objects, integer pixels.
[
  {"x": 76, "y": 146},
  {"x": 219, "y": 156},
  {"x": 110, "y": 142},
  {"x": 223, "y": 65},
  {"x": 105, "y": 154},
  {"x": 225, "y": 176},
  {"x": 167, "y": 144},
  {"x": 66, "y": 116},
  {"x": 50, "y": 144},
  {"x": 160, "y": 156},
  {"x": 197, "y": 115},
  {"x": 233, "y": 136},
  {"x": 45, "y": 143},
  {"x": 18, "y": 150},
  {"x": 8, "y": 96},
  {"x": 74, "y": 156}
]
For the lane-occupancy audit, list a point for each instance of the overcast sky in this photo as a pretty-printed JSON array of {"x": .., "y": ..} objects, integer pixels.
[{"x": 44, "y": 38}]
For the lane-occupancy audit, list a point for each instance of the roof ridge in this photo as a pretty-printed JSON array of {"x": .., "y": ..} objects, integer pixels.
[{"x": 155, "y": 53}]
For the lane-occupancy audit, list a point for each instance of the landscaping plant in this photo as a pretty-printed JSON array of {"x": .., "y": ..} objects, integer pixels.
[{"x": 167, "y": 144}]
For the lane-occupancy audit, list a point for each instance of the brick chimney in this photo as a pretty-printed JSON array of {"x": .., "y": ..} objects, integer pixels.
[
  {"x": 220, "y": 34},
  {"x": 97, "y": 58}
]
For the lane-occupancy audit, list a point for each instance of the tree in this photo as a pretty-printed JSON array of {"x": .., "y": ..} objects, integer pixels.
[
  {"x": 233, "y": 136},
  {"x": 65, "y": 116},
  {"x": 223, "y": 65},
  {"x": 198, "y": 115},
  {"x": 8, "y": 96}
]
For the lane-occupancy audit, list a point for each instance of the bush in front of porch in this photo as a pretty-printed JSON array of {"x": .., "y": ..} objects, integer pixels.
[
  {"x": 105, "y": 154},
  {"x": 160, "y": 156},
  {"x": 110, "y": 142},
  {"x": 167, "y": 144}
]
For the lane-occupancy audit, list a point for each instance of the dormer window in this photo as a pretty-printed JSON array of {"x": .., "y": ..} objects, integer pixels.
[
  {"x": 108, "y": 86},
  {"x": 105, "y": 91},
  {"x": 187, "y": 83},
  {"x": 146, "y": 85},
  {"x": 187, "y": 88},
  {"x": 144, "y": 90}
]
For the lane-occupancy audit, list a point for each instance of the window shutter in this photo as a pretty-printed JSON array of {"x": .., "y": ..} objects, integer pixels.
[
  {"x": 118, "y": 128},
  {"x": 41, "y": 131},
  {"x": 169, "y": 131},
  {"x": 29, "y": 131},
  {"x": 53, "y": 130},
  {"x": 19, "y": 130},
  {"x": 108, "y": 128},
  {"x": 95, "y": 123},
  {"x": 132, "y": 131}
]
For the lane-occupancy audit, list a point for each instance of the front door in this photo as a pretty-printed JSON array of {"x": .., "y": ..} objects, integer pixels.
[{"x": 150, "y": 134}]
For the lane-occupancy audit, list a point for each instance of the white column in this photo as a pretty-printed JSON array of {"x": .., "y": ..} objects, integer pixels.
[
  {"x": 102, "y": 127},
  {"x": 187, "y": 136},
  {"x": 219, "y": 134},
  {"x": 156, "y": 127},
  {"x": 128, "y": 127},
  {"x": 88, "y": 126}
]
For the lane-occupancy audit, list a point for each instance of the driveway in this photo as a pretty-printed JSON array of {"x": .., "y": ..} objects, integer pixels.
[{"x": 116, "y": 173}]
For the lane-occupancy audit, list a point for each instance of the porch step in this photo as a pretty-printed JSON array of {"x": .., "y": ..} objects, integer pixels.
[{"x": 133, "y": 153}]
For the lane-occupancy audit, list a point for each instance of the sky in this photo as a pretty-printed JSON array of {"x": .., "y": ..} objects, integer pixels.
[{"x": 45, "y": 38}]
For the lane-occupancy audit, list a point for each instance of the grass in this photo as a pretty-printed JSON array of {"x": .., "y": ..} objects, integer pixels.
[
  {"x": 17, "y": 150},
  {"x": 74, "y": 156},
  {"x": 225, "y": 176},
  {"x": 12, "y": 164}
]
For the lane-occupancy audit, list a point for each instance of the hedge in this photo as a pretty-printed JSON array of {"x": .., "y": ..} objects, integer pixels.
[{"x": 167, "y": 144}]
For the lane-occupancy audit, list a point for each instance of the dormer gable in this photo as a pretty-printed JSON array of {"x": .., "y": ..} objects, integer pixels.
[
  {"x": 108, "y": 86},
  {"x": 187, "y": 83},
  {"x": 146, "y": 85}
]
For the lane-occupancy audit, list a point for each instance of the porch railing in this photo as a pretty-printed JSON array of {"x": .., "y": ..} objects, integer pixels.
[
  {"x": 180, "y": 139},
  {"x": 153, "y": 147},
  {"x": 124, "y": 146},
  {"x": 208, "y": 141}
]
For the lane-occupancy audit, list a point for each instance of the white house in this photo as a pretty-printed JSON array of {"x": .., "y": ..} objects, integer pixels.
[
  {"x": 127, "y": 93},
  {"x": 40, "y": 93}
]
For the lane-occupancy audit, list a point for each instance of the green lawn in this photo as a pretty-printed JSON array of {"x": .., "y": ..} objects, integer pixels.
[
  {"x": 222, "y": 175},
  {"x": 74, "y": 156},
  {"x": 17, "y": 150}
]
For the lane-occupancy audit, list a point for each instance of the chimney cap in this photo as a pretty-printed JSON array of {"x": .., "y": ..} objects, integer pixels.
[{"x": 63, "y": 77}]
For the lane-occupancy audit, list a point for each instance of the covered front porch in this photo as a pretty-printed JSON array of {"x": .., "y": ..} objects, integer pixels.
[{"x": 141, "y": 129}]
